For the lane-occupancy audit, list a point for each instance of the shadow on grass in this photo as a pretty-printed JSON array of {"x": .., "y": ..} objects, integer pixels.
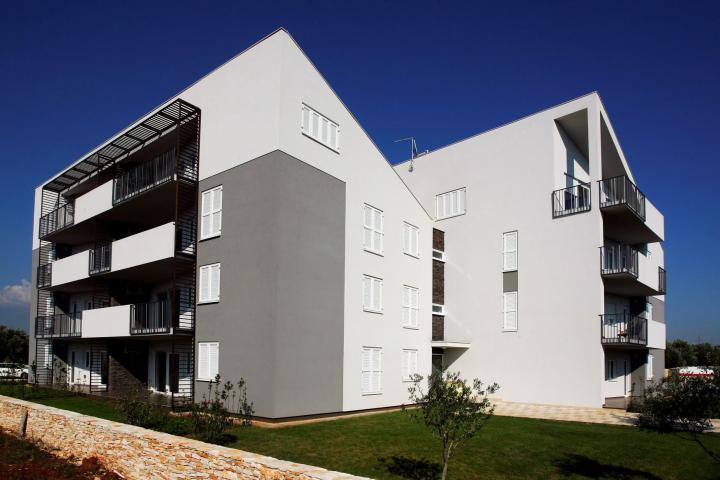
[
  {"x": 583, "y": 466},
  {"x": 413, "y": 468}
]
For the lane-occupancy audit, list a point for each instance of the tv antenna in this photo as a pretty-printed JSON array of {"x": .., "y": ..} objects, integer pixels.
[{"x": 413, "y": 151}]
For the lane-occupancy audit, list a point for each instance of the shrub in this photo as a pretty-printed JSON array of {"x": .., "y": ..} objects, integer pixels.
[{"x": 214, "y": 414}]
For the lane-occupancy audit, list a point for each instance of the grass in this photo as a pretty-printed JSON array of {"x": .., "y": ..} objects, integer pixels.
[{"x": 391, "y": 446}]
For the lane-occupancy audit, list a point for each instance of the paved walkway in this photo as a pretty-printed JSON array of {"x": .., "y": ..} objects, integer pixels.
[{"x": 609, "y": 416}]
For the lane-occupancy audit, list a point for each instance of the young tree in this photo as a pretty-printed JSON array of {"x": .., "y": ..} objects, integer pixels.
[
  {"x": 451, "y": 408},
  {"x": 682, "y": 406}
]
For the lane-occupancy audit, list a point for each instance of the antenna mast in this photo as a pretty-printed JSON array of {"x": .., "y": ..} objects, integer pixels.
[{"x": 413, "y": 151}]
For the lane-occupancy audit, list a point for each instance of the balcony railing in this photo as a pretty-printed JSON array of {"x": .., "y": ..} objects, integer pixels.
[
  {"x": 100, "y": 258},
  {"x": 63, "y": 216},
  {"x": 621, "y": 191},
  {"x": 150, "y": 317},
  {"x": 58, "y": 326},
  {"x": 662, "y": 281},
  {"x": 623, "y": 329},
  {"x": 615, "y": 259},
  {"x": 143, "y": 177},
  {"x": 44, "y": 275},
  {"x": 567, "y": 201}
]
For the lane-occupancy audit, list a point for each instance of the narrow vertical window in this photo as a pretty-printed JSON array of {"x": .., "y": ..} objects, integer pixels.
[
  {"x": 371, "y": 382},
  {"x": 372, "y": 294},
  {"x": 211, "y": 222},
  {"x": 649, "y": 371},
  {"x": 510, "y": 251},
  {"x": 411, "y": 306},
  {"x": 208, "y": 360},
  {"x": 209, "y": 283},
  {"x": 411, "y": 240},
  {"x": 510, "y": 311},
  {"x": 409, "y": 364},
  {"x": 372, "y": 229}
]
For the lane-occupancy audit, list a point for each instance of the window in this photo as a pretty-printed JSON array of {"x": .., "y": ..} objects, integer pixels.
[
  {"x": 510, "y": 251},
  {"x": 438, "y": 255},
  {"x": 372, "y": 229},
  {"x": 610, "y": 370},
  {"x": 210, "y": 283},
  {"x": 411, "y": 301},
  {"x": 411, "y": 240},
  {"x": 409, "y": 364},
  {"x": 450, "y": 204},
  {"x": 371, "y": 370},
  {"x": 372, "y": 294},
  {"x": 438, "y": 309},
  {"x": 510, "y": 308},
  {"x": 320, "y": 128},
  {"x": 649, "y": 366},
  {"x": 211, "y": 223},
  {"x": 208, "y": 354}
]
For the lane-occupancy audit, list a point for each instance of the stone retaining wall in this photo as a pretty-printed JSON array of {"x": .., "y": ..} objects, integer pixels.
[{"x": 138, "y": 453}]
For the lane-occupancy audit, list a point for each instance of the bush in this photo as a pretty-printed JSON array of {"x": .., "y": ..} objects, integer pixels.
[{"x": 214, "y": 414}]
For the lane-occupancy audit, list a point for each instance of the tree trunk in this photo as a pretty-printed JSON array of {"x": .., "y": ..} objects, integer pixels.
[{"x": 446, "y": 460}]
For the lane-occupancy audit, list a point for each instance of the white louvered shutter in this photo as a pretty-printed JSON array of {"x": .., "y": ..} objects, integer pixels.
[
  {"x": 203, "y": 367},
  {"x": 366, "y": 367},
  {"x": 213, "y": 360},
  {"x": 206, "y": 214},
  {"x": 414, "y": 362},
  {"x": 414, "y": 306},
  {"x": 510, "y": 247},
  {"x": 510, "y": 310},
  {"x": 405, "y": 364},
  {"x": 204, "y": 283},
  {"x": 215, "y": 282},
  {"x": 377, "y": 294},
  {"x": 406, "y": 302},
  {"x": 217, "y": 211},
  {"x": 367, "y": 292},
  {"x": 367, "y": 227}
]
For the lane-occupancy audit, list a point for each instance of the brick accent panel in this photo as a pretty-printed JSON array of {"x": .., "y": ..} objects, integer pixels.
[
  {"x": 438, "y": 328},
  {"x": 438, "y": 282},
  {"x": 438, "y": 240},
  {"x": 137, "y": 453}
]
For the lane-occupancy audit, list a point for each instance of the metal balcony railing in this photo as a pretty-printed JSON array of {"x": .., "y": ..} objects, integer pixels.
[
  {"x": 57, "y": 219},
  {"x": 143, "y": 177},
  {"x": 615, "y": 259},
  {"x": 567, "y": 201},
  {"x": 58, "y": 326},
  {"x": 100, "y": 258},
  {"x": 44, "y": 275},
  {"x": 662, "y": 281},
  {"x": 623, "y": 329},
  {"x": 621, "y": 191},
  {"x": 150, "y": 317}
]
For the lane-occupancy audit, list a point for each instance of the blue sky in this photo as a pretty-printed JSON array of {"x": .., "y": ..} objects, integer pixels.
[{"x": 74, "y": 73}]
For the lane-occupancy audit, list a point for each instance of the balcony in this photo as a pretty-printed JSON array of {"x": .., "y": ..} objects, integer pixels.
[
  {"x": 150, "y": 318},
  {"x": 628, "y": 271},
  {"x": 143, "y": 177},
  {"x": 448, "y": 334},
  {"x": 58, "y": 326},
  {"x": 58, "y": 219},
  {"x": 44, "y": 275},
  {"x": 628, "y": 216},
  {"x": 662, "y": 281},
  {"x": 571, "y": 200},
  {"x": 121, "y": 257},
  {"x": 623, "y": 330}
]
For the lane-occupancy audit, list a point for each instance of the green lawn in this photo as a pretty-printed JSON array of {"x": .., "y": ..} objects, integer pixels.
[{"x": 391, "y": 446}]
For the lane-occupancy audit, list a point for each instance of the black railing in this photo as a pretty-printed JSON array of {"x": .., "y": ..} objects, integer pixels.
[
  {"x": 59, "y": 218},
  {"x": 616, "y": 259},
  {"x": 100, "y": 258},
  {"x": 623, "y": 329},
  {"x": 621, "y": 191},
  {"x": 150, "y": 317},
  {"x": 44, "y": 275},
  {"x": 144, "y": 176},
  {"x": 58, "y": 326},
  {"x": 567, "y": 201},
  {"x": 662, "y": 281}
]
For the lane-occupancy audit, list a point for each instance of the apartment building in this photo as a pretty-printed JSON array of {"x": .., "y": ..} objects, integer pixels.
[
  {"x": 559, "y": 301},
  {"x": 249, "y": 227}
]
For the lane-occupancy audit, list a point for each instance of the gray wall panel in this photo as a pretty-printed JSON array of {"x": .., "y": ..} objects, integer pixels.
[{"x": 279, "y": 320}]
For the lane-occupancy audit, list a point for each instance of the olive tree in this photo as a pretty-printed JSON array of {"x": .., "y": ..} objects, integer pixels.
[{"x": 453, "y": 409}]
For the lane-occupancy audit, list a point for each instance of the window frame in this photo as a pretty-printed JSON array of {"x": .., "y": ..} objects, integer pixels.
[
  {"x": 210, "y": 299},
  {"x": 371, "y": 308},
  {"x": 203, "y": 234},
  {"x": 410, "y": 290},
  {"x": 505, "y": 312},
  {"x": 411, "y": 231},
  {"x": 506, "y": 252},
  {"x": 373, "y": 229},
  {"x": 457, "y": 213},
  {"x": 405, "y": 367},
  {"x": 378, "y": 370},
  {"x": 208, "y": 344},
  {"x": 309, "y": 132}
]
